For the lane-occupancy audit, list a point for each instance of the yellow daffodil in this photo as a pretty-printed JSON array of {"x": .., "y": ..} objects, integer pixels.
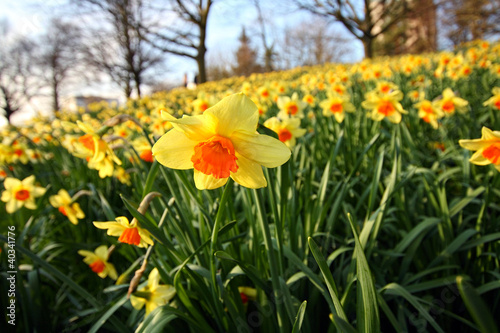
[
  {"x": 221, "y": 143},
  {"x": 385, "y": 106},
  {"x": 494, "y": 101},
  {"x": 202, "y": 102},
  {"x": 63, "y": 202},
  {"x": 19, "y": 193},
  {"x": 385, "y": 87},
  {"x": 309, "y": 99},
  {"x": 98, "y": 262},
  {"x": 291, "y": 106},
  {"x": 129, "y": 233},
  {"x": 451, "y": 103},
  {"x": 153, "y": 294},
  {"x": 429, "y": 113},
  {"x": 487, "y": 148},
  {"x": 96, "y": 151},
  {"x": 287, "y": 129},
  {"x": 122, "y": 175},
  {"x": 336, "y": 105},
  {"x": 247, "y": 294}
]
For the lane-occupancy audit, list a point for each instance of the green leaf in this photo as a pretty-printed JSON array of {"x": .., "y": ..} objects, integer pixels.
[
  {"x": 367, "y": 304},
  {"x": 299, "y": 318},
  {"x": 396, "y": 289},
  {"x": 476, "y": 306},
  {"x": 327, "y": 275},
  {"x": 456, "y": 208},
  {"x": 151, "y": 178}
]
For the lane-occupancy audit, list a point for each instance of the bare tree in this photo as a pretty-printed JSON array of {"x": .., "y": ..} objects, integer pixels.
[
  {"x": 364, "y": 20},
  {"x": 312, "y": 43},
  {"x": 466, "y": 20},
  {"x": 185, "y": 36},
  {"x": 17, "y": 72},
  {"x": 59, "y": 57},
  {"x": 116, "y": 47},
  {"x": 269, "y": 48}
]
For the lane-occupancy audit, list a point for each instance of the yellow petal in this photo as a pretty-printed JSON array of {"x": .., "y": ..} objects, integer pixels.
[
  {"x": 234, "y": 113},
  {"x": 197, "y": 128},
  {"x": 474, "y": 144},
  {"x": 10, "y": 183},
  {"x": 114, "y": 228},
  {"x": 249, "y": 173},
  {"x": 153, "y": 279},
  {"x": 174, "y": 150},
  {"x": 102, "y": 252},
  {"x": 488, "y": 134},
  {"x": 137, "y": 302},
  {"x": 111, "y": 271},
  {"x": 263, "y": 149},
  {"x": 207, "y": 182},
  {"x": 478, "y": 158}
]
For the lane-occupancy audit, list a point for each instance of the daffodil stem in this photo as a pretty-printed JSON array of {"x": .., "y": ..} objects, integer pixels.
[
  {"x": 213, "y": 246},
  {"x": 273, "y": 263}
]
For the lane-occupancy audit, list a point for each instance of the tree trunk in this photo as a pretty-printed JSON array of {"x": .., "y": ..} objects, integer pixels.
[
  {"x": 368, "y": 46},
  {"x": 55, "y": 95},
  {"x": 202, "y": 73}
]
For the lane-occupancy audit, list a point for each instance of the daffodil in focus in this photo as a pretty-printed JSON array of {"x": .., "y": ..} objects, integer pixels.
[
  {"x": 153, "y": 294},
  {"x": 63, "y": 202},
  {"x": 21, "y": 193},
  {"x": 487, "y": 148},
  {"x": 221, "y": 143},
  {"x": 385, "y": 106},
  {"x": 494, "y": 101},
  {"x": 129, "y": 233},
  {"x": 336, "y": 105},
  {"x": 98, "y": 262},
  {"x": 291, "y": 106},
  {"x": 429, "y": 113},
  {"x": 451, "y": 103},
  {"x": 287, "y": 129}
]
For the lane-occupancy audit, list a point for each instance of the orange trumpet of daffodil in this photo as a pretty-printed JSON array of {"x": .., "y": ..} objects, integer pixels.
[
  {"x": 221, "y": 143},
  {"x": 487, "y": 148},
  {"x": 129, "y": 233},
  {"x": 98, "y": 262}
]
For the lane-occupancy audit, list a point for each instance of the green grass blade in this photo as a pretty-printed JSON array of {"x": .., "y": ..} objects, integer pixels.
[
  {"x": 367, "y": 304},
  {"x": 299, "y": 318},
  {"x": 476, "y": 306},
  {"x": 396, "y": 289},
  {"x": 327, "y": 275}
]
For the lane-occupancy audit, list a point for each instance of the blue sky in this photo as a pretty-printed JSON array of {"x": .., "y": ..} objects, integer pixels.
[{"x": 28, "y": 17}]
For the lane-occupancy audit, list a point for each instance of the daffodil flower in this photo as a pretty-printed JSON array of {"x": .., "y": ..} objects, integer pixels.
[
  {"x": 451, "y": 103},
  {"x": 98, "y": 262},
  {"x": 494, "y": 101},
  {"x": 21, "y": 193},
  {"x": 487, "y": 148},
  {"x": 287, "y": 129},
  {"x": 129, "y": 233},
  {"x": 153, "y": 294},
  {"x": 429, "y": 113},
  {"x": 336, "y": 105},
  {"x": 63, "y": 202},
  {"x": 291, "y": 106},
  {"x": 96, "y": 151},
  {"x": 385, "y": 106},
  {"x": 221, "y": 143}
]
